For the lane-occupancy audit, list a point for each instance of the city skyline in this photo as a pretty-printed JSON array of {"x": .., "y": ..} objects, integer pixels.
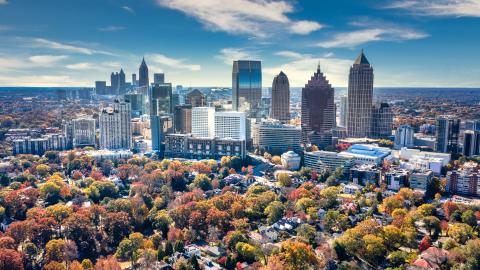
[{"x": 407, "y": 43}]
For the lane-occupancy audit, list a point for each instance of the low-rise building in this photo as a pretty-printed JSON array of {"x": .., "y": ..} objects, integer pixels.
[
  {"x": 324, "y": 160},
  {"x": 396, "y": 179},
  {"x": 420, "y": 179},
  {"x": 275, "y": 137},
  {"x": 291, "y": 160},
  {"x": 365, "y": 174},
  {"x": 366, "y": 153}
]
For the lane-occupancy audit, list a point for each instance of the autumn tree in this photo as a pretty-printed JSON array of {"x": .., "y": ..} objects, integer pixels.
[{"x": 274, "y": 211}]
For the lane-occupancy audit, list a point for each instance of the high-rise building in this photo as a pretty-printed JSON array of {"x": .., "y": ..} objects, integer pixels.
[
  {"x": 160, "y": 127},
  {"x": 115, "y": 126},
  {"x": 343, "y": 111},
  {"x": 196, "y": 99},
  {"x": 101, "y": 87},
  {"x": 137, "y": 103},
  {"x": 404, "y": 137},
  {"x": 382, "y": 120},
  {"x": 280, "y": 101},
  {"x": 182, "y": 119},
  {"x": 360, "y": 96},
  {"x": 203, "y": 121},
  {"x": 275, "y": 137},
  {"x": 231, "y": 125},
  {"x": 318, "y": 110},
  {"x": 471, "y": 143},
  {"x": 161, "y": 99},
  {"x": 83, "y": 132},
  {"x": 247, "y": 86},
  {"x": 175, "y": 100},
  {"x": 134, "y": 80},
  {"x": 122, "y": 86},
  {"x": 158, "y": 78},
  {"x": 472, "y": 125},
  {"x": 447, "y": 133},
  {"x": 114, "y": 83},
  {"x": 143, "y": 74}
]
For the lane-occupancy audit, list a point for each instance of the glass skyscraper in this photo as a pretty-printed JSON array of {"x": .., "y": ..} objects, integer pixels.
[{"x": 247, "y": 86}]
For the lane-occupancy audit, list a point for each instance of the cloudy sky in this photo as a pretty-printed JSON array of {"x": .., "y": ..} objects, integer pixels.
[{"x": 75, "y": 42}]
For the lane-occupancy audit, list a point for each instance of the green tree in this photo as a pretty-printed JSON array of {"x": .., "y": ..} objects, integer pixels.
[
  {"x": 274, "y": 211},
  {"x": 203, "y": 182},
  {"x": 469, "y": 218},
  {"x": 307, "y": 232},
  {"x": 460, "y": 232}
]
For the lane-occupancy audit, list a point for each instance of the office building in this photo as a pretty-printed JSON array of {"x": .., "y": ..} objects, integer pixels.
[
  {"x": 448, "y": 130},
  {"x": 101, "y": 87},
  {"x": 291, "y": 160},
  {"x": 114, "y": 83},
  {"x": 196, "y": 99},
  {"x": 382, "y": 121},
  {"x": 246, "y": 86},
  {"x": 420, "y": 179},
  {"x": 38, "y": 146},
  {"x": 395, "y": 179},
  {"x": 122, "y": 85},
  {"x": 343, "y": 111},
  {"x": 84, "y": 132},
  {"x": 471, "y": 143},
  {"x": 360, "y": 96},
  {"x": 143, "y": 80},
  {"x": 161, "y": 125},
  {"x": 231, "y": 125},
  {"x": 464, "y": 181},
  {"x": 137, "y": 102},
  {"x": 472, "y": 125},
  {"x": 275, "y": 137},
  {"x": 188, "y": 146},
  {"x": 158, "y": 78},
  {"x": 280, "y": 100},
  {"x": 115, "y": 126},
  {"x": 365, "y": 174},
  {"x": 203, "y": 122},
  {"x": 404, "y": 137},
  {"x": 134, "y": 80},
  {"x": 318, "y": 110},
  {"x": 182, "y": 119},
  {"x": 327, "y": 161},
  {"x": 161, "y": 99}
]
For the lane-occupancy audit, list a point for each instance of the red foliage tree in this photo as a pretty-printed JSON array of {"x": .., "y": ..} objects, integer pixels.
[
  {"x": 425, "y": 243},
  {"x": 11, "y": 259}
]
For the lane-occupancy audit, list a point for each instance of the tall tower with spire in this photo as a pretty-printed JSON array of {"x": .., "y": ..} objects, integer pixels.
[
  {"x": 318, "y": 110},
  {"x": 121, "y": 82},
  {"x": 280, "y": 101},
  {"x": 143, "y": 74},
  {"x": 360, "y": 98}
]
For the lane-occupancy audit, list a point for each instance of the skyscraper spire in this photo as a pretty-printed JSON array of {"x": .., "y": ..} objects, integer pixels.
[{"x": 318, "y": 66}]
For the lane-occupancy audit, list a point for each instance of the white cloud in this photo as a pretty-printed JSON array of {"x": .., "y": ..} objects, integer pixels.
[
  {"x": 252, "y": 17},
  {"x": 290, "y": 54},
  {"x": 4, "y": 27},
  {"x": 40, "y": 81},
  {"x": 47, "y": 60},
  {"x": 300, "y": 69},
  {"x": 228, "y": 55},
  {"x": 49, "y": 44},
  {"x": 163, "y": 60},
  {"x": 104, "y": 66},
  {"x": 129, "y": 9},
  {"x": 355, "y": 38},
  {"x": 467, "y": 8},
  {"x": 3, "y": 2},
  {"x": 111, "y": 28}
]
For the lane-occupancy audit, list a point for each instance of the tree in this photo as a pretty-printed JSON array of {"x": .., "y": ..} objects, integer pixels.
[
  {"x": 297, "y": 256},
  {"x": 168, "y": 248},
  {"x": 304, "y": 203},
  {"x": 203, "y": 182},
  {"x": 432, "y": 224},
  {"x": 425, "y": 243},
  {"x": 43, "y": 170},
  {"x": 126, "y": 250},
  {"x": 329, "y": 194},
  {"x": 375, "y": 249},
  {"x": 86, "y": 264},
  {"x": 426, "y": 210},
  {"x": 469, "y": 218},
  {"x": 246, "y": 252},
  {"x": 161, "y": 221},
  {"x": 10, "y": 259},
  {"x": 284, "y": 180},
  {"x": 397, "y": 258},
  {"x": 393, "y": 237},
  {"x": 50, "y": 192},
  {"x": 54, "y": 250},
  {"x": 276, "y": 160},
  {"x": 274, "y": 211},
  {"x": 460, "y": 232},
  {"x": 53, "y": 265},
  {"x": 117, "y": 226},
  {"x": 449, "y": 207},
  {"x": 109, "y": 263},
  {"x": 334, "y": 221},
  {"x": 307, "y": 232}
]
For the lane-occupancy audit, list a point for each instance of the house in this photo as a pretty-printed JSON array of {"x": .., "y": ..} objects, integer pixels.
[
  {"x": 215, "y": 251},
  {"x": 432, "y": 258},
  {"x": 193, "y": 250},
  {"x": 287, "y": 224},
  {"x": 268, "y": 234}
]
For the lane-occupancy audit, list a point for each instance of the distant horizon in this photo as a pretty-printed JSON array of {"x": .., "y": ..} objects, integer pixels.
[{"x": 263, "y": 87}]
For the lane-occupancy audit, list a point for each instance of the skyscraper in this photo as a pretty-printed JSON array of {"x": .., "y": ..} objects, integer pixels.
[
  {"x": 114, "y": 83},
  {"x": 343, "y": 111},
  {"x": 447, "y": 133},
  {"x": 280, "y": 101},
  {"x": 115, "y": 126},
  {"x": 83, "y": 132},
  {"x": 143, "y": 74},
  {"x": 182, "y": 119},
  {"x": 160, "y": 126},
  {"x": 247, "y": 86},
  {"x": 101, "y": 87},
  {"x": 122, "y": 88},
  {"x": 196, "y": 98},
  {"x": 161, "y": 99},
  {"x": 203, "y": 121},
  {"x": 318, "y": 110},
  {"x": 471, "y": 143},
  {"x": 158, "y": 78},
  {"x": 134, "y": 79},
  {"x": 231, "y": 125},
  {"x": 382, "y": 120},
  {"x": 360, "y": 95}
]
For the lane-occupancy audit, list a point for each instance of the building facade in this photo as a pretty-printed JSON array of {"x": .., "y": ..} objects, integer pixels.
[
  {"x": 83, "y": 132},
  {"x": 404, "y": 137},
  {"x": 360, "y": 98},
  {"x": 115, "y": 126},
  {"x": 195, "y": 98},
  {"x": 275, "y": 137},
  {"x": 182, "y": 119},
  {"x": 464, "y": 181},
  {"x": 343, "y": 111},
  {"x": 324, "y": 160},
  {"x": 382, "y": 120},
  {"x": 158, "y": 78},
  {"x": 231, "y": 125},
  {"x": 246, "y": 86},
  {"x": 161, "y": 99},
  {"x": 280, "y": 100},
  {"x": 143, "y": 80},
  {"x": 471, "y": 143},
  {"x": 160, "y": 127},
  {"x": 203, "y": 121},
  {"x": 447, "y": 134},
  {"x": 318, "y": 110}
]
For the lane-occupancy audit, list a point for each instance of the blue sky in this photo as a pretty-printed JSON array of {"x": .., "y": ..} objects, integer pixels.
[{"x": 75, "y": 42}]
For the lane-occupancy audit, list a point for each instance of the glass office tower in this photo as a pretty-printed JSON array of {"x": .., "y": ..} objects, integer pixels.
[{"x": 247, "y": 86}]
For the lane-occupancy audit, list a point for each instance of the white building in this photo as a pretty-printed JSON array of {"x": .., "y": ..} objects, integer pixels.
[
  {"x": 83, "y": 132},
  {"x": 404, "y": 136},
  {"x": 100, "y": 155},
  {"x": 232, "y": 125},
  {"x": 115, "y": 126},
  {"x": 343, "y": 111},
  {"x": 274, "y": 137},
  {"x": 413, "y": 159},
  {"x": 420, "y": 179},
  {"x": 323, "y": 160},
  {"x": 291, "y": 160},
  {"x": 203, "y": 122}
]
